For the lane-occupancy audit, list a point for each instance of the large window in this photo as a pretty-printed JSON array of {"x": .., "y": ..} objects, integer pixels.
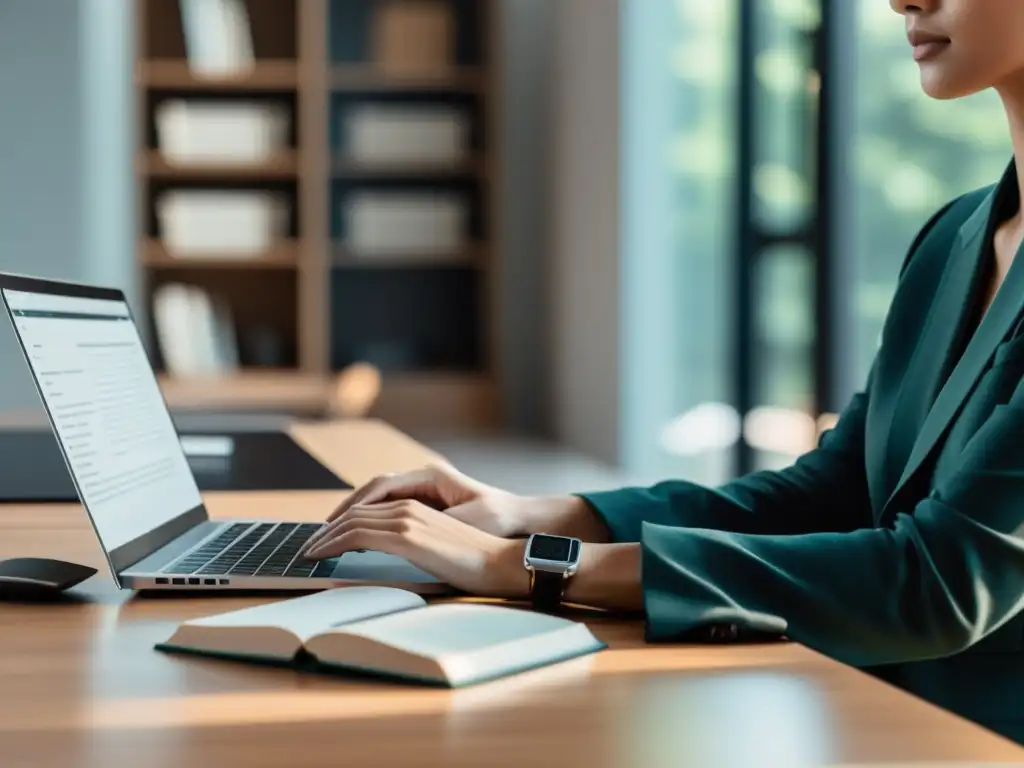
[
  {"x": 780, "y": 422},
  {"x": 761, "y": 252},
  {"x": 679, "y": 162}
]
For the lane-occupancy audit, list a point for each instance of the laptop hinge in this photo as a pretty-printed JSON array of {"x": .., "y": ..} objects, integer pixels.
[{"x": 142, "y": 547}]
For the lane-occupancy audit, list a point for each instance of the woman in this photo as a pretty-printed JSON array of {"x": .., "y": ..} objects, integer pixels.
[{"x": 898, "y": 544}]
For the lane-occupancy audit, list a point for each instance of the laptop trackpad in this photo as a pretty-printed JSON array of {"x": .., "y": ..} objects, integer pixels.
[{"x": 378, "y": 566}]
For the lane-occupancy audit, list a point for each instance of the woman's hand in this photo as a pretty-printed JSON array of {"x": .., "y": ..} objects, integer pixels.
[
  {"x": 481, "y": 506},
  {"x": 453, "y": 551}
]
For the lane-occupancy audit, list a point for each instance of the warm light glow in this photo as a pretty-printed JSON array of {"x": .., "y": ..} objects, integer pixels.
[
  {"x": 256, "y": 708},
  {"x": 356, "y": 389},
  {"x": 827, "y": 421},
  {"x": 814, "y": 83},
  {"x": 780, "y": 430}
]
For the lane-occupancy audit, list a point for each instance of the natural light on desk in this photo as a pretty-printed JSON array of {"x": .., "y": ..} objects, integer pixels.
[
  {"x": 328, "y": 702},
  {"x": 773, "y": 720}
]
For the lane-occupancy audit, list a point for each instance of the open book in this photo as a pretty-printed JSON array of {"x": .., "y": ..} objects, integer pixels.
[{"x": 389, "y": 632}]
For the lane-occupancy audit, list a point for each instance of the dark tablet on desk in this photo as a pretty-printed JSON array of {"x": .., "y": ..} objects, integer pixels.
[{"x": 32, "y": 468}]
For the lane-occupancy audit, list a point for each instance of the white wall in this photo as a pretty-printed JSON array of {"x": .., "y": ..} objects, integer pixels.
[
  {"x": 65, "y": 175},
  {"x": 586, "y": 301}
]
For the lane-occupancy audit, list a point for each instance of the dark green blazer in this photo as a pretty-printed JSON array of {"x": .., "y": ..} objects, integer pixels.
[{"x": 898, "y": 544}]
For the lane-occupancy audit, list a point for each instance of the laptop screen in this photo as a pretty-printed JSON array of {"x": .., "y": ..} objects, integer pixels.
[{"x": 95, "y": 380}]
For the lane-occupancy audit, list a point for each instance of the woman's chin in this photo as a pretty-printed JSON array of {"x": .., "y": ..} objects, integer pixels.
[{"x": 942, "y": 85}]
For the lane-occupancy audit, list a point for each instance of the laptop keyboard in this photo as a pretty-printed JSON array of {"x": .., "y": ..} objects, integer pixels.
[{"x": 255, "y": 549}]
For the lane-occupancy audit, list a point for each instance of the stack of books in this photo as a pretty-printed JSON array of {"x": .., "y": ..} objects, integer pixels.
[
  {"x": 218, "y": 37},
  {"x": 195, "y": 332}
]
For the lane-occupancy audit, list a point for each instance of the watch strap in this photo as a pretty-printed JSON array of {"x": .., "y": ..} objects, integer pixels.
[{"x": 546, "y": 589}]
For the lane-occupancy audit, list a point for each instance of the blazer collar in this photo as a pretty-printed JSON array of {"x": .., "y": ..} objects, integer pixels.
[
  {"x": 956, "y": 297},
  {"x": 977, "y": 222}
]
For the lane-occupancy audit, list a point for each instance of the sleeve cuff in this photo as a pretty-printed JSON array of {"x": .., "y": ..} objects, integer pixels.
[
  {"x": 682, "y": 601},
  {"x": 620, "y": 511}
]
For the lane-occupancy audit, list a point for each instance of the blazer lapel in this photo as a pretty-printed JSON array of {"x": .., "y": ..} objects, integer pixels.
[
  {"x": 966, "y": 269},
  {"x": 933, "y": 355}
]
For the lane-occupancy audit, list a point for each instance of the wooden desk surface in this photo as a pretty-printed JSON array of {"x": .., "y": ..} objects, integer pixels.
[{"x": 81, "y": 686}]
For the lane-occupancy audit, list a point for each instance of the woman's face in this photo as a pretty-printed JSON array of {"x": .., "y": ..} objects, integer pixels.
[{"x": 965, "y": 46}]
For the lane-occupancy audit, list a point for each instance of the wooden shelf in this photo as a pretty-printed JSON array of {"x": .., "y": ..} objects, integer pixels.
[
  {"x": 351, "y": 77},
  {"x": 343, "y": 167},
  {"x": 295, "y": 291},
  {"x": 344, "y": 258},
  {"x": 285, "y": 255},
  {"x": 289, "y": 391},
  {"x": 283, "y": 165},
  {"x": 175, "y": 74},
  {"x": 421, "y": 401}
]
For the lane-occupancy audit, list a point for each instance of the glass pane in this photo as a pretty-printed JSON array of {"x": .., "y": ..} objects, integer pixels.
[
  {"x": 911, "y": 154},
  {"x": 679, "y": 127},
  {"x": 782, "y": 426},
  {"x": 785, "y": 113}
]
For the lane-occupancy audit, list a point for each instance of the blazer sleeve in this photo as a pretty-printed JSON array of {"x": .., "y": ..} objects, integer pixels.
[
  {"x": 945, "y": 575},
  {"x": 825, "y": 490}
]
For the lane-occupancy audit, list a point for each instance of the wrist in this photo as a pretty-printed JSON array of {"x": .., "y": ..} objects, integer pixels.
[
  {"x": 578, "y": 519},
  {"x": 609, "y": 576},
  {"x": 512, "y": 580}
]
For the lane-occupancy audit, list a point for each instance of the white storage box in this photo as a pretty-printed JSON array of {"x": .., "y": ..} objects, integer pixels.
[
  {"x": 220, "y": 132},
  {"x": 384, "y": 134},
  {"x": 220, "y": 223},
  {"x": 404, "y": 223}
]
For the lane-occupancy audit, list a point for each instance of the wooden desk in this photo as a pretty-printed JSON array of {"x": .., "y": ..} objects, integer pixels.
[{"x": 81, "y": 686}]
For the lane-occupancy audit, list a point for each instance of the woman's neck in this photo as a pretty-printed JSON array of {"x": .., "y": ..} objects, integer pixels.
[{"x": 1012, "y": 94}]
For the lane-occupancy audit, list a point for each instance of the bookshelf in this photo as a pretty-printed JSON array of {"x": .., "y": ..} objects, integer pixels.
[{"x": 314, "y": 303}]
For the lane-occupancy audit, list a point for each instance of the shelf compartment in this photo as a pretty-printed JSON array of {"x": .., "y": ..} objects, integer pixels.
[
  {"x": 351, "y": 31},
  {"x": 263, "y": 305},
  {"x": 273, "y": 24},
  {"x": 468, "y": 188},
  {"x": 408, "y": 320},
  {"x": 157, "y": 186}
]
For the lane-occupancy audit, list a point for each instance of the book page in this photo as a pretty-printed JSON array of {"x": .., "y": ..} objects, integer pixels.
[
  {"x": 308, "y": 615},
  {"x": 455, "y": 628},
  {"x": 454, "y": 643}
]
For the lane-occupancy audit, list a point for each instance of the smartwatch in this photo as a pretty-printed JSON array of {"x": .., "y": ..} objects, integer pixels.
[{"x": 551, "y": 561}]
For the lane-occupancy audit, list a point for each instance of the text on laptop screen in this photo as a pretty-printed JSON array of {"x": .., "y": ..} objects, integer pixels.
[{"x": 105, "y": 405}]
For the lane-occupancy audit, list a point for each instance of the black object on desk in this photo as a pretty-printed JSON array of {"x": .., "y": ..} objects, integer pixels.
[
  {"x": 32, "y": 468},
  {"x": 39, "y": 578}
]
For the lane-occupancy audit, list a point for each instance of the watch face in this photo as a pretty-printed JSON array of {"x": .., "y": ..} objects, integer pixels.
[{"x": 555, "y": 548}]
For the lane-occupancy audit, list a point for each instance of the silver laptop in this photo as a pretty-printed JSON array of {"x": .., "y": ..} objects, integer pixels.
[{"x": 126, "y": 460}]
